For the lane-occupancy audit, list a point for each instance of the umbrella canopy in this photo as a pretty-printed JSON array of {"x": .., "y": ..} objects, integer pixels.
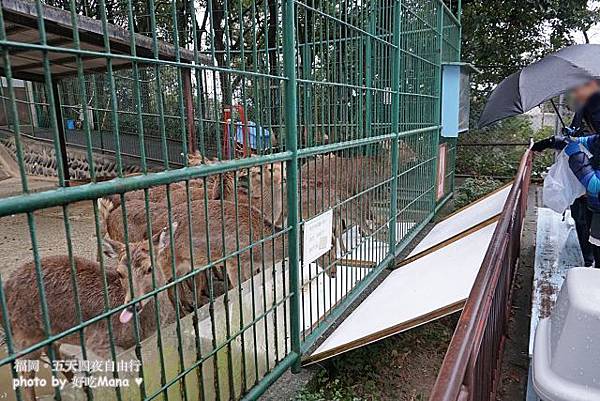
[{"x": 542, "y": 81}]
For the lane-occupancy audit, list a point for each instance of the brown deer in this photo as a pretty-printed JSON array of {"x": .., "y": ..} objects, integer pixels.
[
  {"x": 223, "y": 224},
  {"x": 23, "y": 302},
  {"x": 221, "y": 232},
  {"x": 257, "y": 186},
  {"x": 111, "y": 219},
  {"x": 259, "y": 199},
  {"x": 159, "y": 194},
  {"x": 186, "y": 289},
  {"x": 327, "y": 180},
  {"x": 155, "y": 194},
  {"x": 227, "y": 228},
  {"x": 111, "y": 214}
]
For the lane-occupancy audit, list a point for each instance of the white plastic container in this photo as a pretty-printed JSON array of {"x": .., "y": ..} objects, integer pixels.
[{"x": 566, "y": 354}]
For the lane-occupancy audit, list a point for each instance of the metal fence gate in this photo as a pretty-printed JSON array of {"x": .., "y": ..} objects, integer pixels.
[{"x": 201, "y": 280}]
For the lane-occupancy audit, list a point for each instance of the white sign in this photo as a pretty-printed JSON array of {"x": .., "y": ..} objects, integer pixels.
[{"x": 318, "y": 233}]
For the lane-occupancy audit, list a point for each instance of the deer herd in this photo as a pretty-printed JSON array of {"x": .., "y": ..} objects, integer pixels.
[{"x": 223, "y": 229}]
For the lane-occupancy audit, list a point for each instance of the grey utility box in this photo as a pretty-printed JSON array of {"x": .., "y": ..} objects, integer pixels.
[{"x": 566, "y": 353}]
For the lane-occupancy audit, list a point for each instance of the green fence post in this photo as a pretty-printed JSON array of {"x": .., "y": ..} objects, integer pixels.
[
  {"x": 459, "y": 45},
  {"x": 369, "y": 74},
  {"x": 459, "y": 18},
  {"x": 438, "y": 94},
  {"x": 289, "y": 57},
  {"x": 307, "y": 104},
  {"x": 395, "y": 125}
]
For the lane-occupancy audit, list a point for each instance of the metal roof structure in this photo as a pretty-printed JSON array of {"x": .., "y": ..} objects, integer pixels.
[
  {"x": 97, "y": 44},
  {"x": 22, "y": 27}
]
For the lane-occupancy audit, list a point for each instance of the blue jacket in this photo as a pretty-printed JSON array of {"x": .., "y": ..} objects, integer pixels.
[{"x": 582, "y": 166}]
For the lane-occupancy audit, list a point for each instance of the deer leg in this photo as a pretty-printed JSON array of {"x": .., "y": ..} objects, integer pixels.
[
  {"x": 30, "y": 392},
  {"x": 183, "y": 296},
  {"x": 202, "y": 289},
  {"x": 232, "y": 274},
  {"x": 30, "y": 375},
  {"x": 337, "y": 231},
  {"x": 58, "y": 355}
]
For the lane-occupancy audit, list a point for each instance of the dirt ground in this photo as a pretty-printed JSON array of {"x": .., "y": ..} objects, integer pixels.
[
  {"x": 15, "y": 238},
  {"x": 403, "y": 368}
]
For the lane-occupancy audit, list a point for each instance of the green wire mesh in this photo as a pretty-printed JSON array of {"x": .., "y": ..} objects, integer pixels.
[{"x": 202, "y": 138}]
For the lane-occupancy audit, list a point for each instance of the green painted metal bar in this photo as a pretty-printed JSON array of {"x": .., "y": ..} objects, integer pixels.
[
  {"x": 369, "y": 74},
  {"x": 365, "y": 99},
  {"x": 62, "y": 142},
  {"x": 438, "y": 87},
  {"x": 356, "y": 143},
  {"x": 289, "y": 56},
  {"x": 57, "y": 197},
  {"x": 396, "y": 64}
]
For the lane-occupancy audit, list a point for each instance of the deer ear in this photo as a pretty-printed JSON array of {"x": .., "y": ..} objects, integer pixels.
[
  {"x": 112, "y": 248},
  {"x": 161, "y": 239}
]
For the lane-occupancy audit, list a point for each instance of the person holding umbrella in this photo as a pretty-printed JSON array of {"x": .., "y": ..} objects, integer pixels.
[
  {"x": 585, "y": 122},
  {"x": 587, "y": 171},
  {"x": 576, "y": 69}
]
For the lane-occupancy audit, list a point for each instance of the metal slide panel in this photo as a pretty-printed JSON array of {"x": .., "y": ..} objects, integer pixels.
[
  {"x": 426, "y": 289},
  {"x": 484, "y": 210}
]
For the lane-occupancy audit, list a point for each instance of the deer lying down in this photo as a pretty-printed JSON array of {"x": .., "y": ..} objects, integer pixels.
[
  {"x": 229, "y": 229},
  {"x": 178, "y": 189},
  {"x": 261, "y": 187},
  {"x": 117, "y": 249},
  {"x": 111, "y": 219},
  {"x": 111, "y": 214},
  {"x": 25, "y": 315},
  {"x": 155, "y": 194}
]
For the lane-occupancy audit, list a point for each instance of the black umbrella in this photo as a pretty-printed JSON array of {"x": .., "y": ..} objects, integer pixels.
[{"x": 542, "y": 81}]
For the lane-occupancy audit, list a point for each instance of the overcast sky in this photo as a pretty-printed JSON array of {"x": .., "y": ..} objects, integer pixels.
[{"x": 594, "y": 32}]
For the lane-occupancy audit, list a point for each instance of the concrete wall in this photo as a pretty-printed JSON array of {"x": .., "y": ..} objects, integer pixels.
[{"x": 260, "y": 334}]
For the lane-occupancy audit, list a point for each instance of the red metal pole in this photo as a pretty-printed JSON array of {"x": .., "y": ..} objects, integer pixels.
[{"x": 455, "y": 379}]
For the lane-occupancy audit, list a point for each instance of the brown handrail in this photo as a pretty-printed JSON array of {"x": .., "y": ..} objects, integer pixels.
[{"x": 468, "y": 372}]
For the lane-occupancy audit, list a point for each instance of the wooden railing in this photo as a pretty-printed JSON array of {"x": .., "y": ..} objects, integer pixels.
[{"x": 471, "y": 365}]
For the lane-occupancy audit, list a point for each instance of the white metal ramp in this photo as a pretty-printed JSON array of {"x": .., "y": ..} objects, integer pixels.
[{"x": 434, "y": 280}]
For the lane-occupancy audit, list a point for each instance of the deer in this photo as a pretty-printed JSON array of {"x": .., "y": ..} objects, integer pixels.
[
  {"x": 254, "y": 187},
  {"x": 25, "y": 315},
  {"x": 328, "y": 180},
  {"x": 111, "y": 214},
  {"x": 155, "y": 194},
  {"x": 227, "y": 227},
  {"x": 223, "y": 224},
  {"x": 259, "y": 199},
  {"x": 159, "y": 194}
]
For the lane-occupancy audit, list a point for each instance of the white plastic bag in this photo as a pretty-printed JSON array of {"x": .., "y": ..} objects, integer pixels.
[{"x": 561, "y": 186}]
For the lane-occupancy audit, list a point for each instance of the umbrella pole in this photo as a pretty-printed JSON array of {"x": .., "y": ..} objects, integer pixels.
[{"x": 558, "y": 113}]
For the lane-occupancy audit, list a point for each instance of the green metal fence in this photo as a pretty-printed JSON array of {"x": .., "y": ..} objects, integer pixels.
[{"x": 296, "y": 110}]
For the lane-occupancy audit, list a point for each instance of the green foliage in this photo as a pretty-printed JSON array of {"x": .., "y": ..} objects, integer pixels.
[
  {"x": 473, "y": 189},
  {"x": 501, "y": 161},
  {"x": 322, "y": 388},
  {"x": 502, "y": 37},
  {"x": 400, "y": 367}
]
